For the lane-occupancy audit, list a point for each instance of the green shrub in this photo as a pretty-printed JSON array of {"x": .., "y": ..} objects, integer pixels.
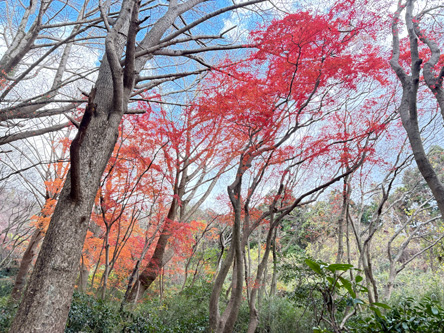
[
  {"x": 7, "y": 313},
  {"x": 280, "y": 314},
  {"x": 6, "y": 285},
  {"x": 186, "y": 311},
  {"x": 426, "y": 316},
  {"x": 90, "y": 315}
]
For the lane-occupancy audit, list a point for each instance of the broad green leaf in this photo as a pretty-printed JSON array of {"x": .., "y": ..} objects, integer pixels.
[
  {"x": 353, "y": 301},
  {"x": 339, "y": 267},
  {"x": 314, "y": 266},
  {"x": 347, "y": 285},
  {"x": 358, "y": 278},
  {"x": 358, "y": 301},
  {"x": 376, "y": 310},
  {"x": 382, "y": 305},
  {"x": 331, "y": 280}
]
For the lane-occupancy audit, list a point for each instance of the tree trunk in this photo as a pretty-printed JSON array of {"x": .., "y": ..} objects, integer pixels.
[
  {"x": 273, "y": 285},
  {"x": 153, "y": 268},
  {"x": 106, "y": 272},
  {"x": 47, "y": 299},
  {"x": 270, "y": 243},
  {"x": 82, "y": 283},
  {"x": 226, "y": 322},
  {"x": 25, "y": 264},
  {"x": 408, "y": 108},
  {"x": 341, "y": 221},
  {"x": 390, "y": 283}
]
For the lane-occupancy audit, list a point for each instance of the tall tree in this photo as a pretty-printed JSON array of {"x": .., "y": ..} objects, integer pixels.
[
  {"x": 278, "y": 103},
  {"x": 47, "y": 298},
  {"x": 420, "y": 53}
]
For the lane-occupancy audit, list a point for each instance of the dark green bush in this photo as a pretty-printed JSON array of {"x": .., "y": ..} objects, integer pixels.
[
  {"x": 183, "y": 312},
  {"x": 426, "y": 316},
  {"x": 6, "y": 285},
  {"x": 90, "y": 315},
  {"x": 6, "y": 315}
]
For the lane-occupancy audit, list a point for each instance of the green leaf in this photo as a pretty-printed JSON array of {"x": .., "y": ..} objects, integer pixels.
[
  {"x": 347, "y": 285},
  {"x": 382, "y": 305},
  {"x": 331, "y": 280},
  {"x": 358, "y": 301},
  {"x": 339, "y": 267},
  {"x": 363, "y": 289},
  {"x": 358, "y": 278},
  {"x": 435, "y": 310},
  {"x": 314, "y": 266},
  {"x": 376, "y": 310},
  {"x": 353, "y": 301}
]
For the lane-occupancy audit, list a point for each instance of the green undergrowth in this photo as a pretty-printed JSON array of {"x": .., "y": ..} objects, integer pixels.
[{"x": 187, "y": 311}]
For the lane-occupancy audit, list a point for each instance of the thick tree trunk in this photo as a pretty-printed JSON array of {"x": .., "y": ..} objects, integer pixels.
[
  {"x": 48, "y": 296},
  {"x": 47, "y": 299},
  {"x": 25, "y": 264}
]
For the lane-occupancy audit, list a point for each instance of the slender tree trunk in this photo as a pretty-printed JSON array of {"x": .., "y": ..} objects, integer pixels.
[
  {"x": 91, "y": 287},
  {"x": 82, "y": 283},
  {"x": 275, "y": 272},
  {"x": 25, "y": 264},
  {"x": 254, "y": 314},
  {"x": 247, "y": 266},
  {"x": 226, "y": 322},
  {"x": 106, "y": 272},
  {"x": 390, "y": 283},
  {"x": 196, "y": 271},
  {"x": 161, "y": 284},
  {"x": 341, "y": 221},
  {"x": 408, "y": 108},
  {"x": 153, "y": 269}
]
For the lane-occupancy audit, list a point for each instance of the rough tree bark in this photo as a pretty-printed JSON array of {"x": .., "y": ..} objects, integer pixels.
[
  {"x": 47, "y": 299},
  {"x": 25, "y": 264}
]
